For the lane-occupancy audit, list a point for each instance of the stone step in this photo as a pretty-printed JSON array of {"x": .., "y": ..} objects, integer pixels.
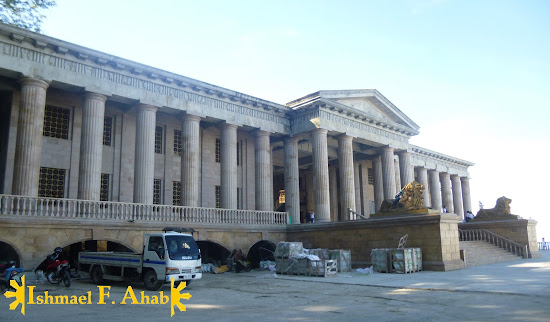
[{"x": 484, "y": 253}]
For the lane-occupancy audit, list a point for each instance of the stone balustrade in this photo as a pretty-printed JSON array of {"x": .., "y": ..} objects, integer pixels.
[{"x": 121, "y": 211}]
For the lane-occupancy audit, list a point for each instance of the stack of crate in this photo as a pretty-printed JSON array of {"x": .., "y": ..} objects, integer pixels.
[
  {"x": 396, "y": 260},
  {"x": 290, "y": 259},
  {"x": 343, "y": 256}
]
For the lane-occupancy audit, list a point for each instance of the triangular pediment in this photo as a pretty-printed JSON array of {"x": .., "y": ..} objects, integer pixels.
[{"x": 366, "y": 102}]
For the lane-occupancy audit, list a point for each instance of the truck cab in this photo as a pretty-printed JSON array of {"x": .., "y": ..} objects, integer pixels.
[{"x": 171, "y": 255}]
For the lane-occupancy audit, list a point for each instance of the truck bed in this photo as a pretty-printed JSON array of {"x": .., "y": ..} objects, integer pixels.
[{"x": 110, "y": 258}]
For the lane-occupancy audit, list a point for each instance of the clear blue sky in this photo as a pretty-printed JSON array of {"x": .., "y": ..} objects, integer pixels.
[{"x": 474, "y": 75}]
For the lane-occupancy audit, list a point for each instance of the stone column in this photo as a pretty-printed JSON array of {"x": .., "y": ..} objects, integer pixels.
[
  {"x": 144, "y": 169},
  {"x": 423, "y": 179},
  {"x": 378, "y": 183},
  {"x": 190, "y": 160},
  {"x": 435, "y": 189},
  {"x": 446, "y": 193},
  {"x": 346, "y": 173},
  {"x": 357, "y": 183},
  {"x": 91, "y": 147},
  {"x": 406, "y": 170},
  {"x": 229, "y": 166},
  {"x": 457, "y": 195},
  {"x": 264, "y": 200},
  {"x": 398, "y": 185},
  {"x": 333, "y": 181},
  {"x": 28, "y": 147},
  {"x": 466, "y": 199},
  {"x": 320, "y": 175},
  {"x": 292, "y": 179},
  {"x": 388, "y": 173}
]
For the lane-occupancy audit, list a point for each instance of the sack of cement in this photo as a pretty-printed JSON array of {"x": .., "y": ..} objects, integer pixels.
[
  {"x": 288, "y": 249},
  {"x": 344, "y": 259},
  {"x": 266, "y": 264}
]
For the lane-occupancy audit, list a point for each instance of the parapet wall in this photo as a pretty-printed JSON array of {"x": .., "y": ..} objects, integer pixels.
[{"x": 436, "y": 234}]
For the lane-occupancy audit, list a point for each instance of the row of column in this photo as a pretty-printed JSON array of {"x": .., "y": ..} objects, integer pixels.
[{"x": 29, "y": 148}]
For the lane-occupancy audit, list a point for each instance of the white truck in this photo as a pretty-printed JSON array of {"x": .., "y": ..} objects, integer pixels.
[{"x": 172, "y": 254}]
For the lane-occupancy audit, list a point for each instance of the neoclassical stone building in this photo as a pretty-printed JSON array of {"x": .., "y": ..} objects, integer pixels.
[{"x": 76, "y": 123}]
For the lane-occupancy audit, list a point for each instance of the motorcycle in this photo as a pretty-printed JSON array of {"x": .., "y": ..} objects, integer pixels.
[
  {"x": 9, "y": 272},
  {"x": 57, "y": 270}
]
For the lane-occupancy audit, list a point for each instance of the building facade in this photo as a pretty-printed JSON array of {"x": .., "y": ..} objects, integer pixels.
[{"x": 80, "y": 124}]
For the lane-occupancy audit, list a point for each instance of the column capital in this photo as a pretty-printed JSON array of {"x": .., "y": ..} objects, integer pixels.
[
  {"x": 261, "y": 133},
  {"x": 227, "y": 125},
  {"x": 387, "y": 148},
  {"x": 146, "y": 107},
  {"x": 95, "y": 96},
  {"x": 319, "y": 131},
  {"x": 291, "y": 139},
  {"x": 190, "y": 117},
  {"x": 34, "y": 81},
  {"x": 344, "y": 137}
]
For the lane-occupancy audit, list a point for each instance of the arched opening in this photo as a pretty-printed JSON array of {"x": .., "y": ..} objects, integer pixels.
[
  {"x": 8, "y": 253},
  {"x": 71, "y": 251},
  {"x": 213, "y": 253},
  {"x": 261, "y": 251}
]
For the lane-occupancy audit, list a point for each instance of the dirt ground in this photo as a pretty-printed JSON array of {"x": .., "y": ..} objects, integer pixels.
[{"x": 261, "y": 296}]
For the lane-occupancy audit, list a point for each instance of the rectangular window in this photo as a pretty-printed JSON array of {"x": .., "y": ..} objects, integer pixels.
[
  {"x": 238, "y": 154},
  {"x": 218, "y": 150},
  {"x": 177, "y": 142},
  {"x": 56, "y": 122},
  {"x": 158, "y": 139},
  {"x": 239, "y": 206},
  {"x": 157, "y": 191},
  {"x": 176, "y": 193},
  {"x": 104, "y": 188},
  {"x": 218, "y": 196},
  {"x": 52, "y": 183},
  {"x": 371, "y": 175},
  {"x": 107, "y": 130}
]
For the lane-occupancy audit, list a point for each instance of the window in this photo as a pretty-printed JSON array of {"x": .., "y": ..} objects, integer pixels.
[
  {"x": 282, "y": 196},
  {"x": 238, "y": 154},
  {"x": 176, "y": 193},
  {"x": 107, "y": 130},
  {"x": 177, "y": 142},
  {"x": 218, "y": 196},
  {"x": 52, "y": 183},
  {"x": 56, "y": 122},
  {"x": 104, "y": 187},
  {"x": 158, "y": 139},
  {"x": 239, "y": 191},
  {"x": 218, "y": 150},
  {"x": 371, "y": 175},
  {"x": 157, "y": 189}
]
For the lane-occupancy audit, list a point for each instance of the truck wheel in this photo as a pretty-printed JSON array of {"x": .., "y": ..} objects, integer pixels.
[
  {"x": 151, "y": 281},
  {"x": 97, "y": 275}
]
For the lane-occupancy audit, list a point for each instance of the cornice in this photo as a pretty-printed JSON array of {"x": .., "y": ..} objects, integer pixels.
[
  {"x": 440, "y": 156},
  {"x": 89, "y": 56}
]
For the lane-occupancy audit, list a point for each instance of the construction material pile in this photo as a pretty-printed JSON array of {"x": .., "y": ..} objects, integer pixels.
[
  {"x": 292, "y": 258},
  {"x": 397, "y": 260}
]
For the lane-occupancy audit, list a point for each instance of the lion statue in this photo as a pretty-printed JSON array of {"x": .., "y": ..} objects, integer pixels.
[
  {"x": 409, "y": 198},
  {"x": 500, "y": 211}
]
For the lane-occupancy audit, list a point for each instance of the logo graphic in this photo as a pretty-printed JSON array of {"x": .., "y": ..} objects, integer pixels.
[
  {"x": 19, "y": 295},
  {"x": 175, "y": 297}
]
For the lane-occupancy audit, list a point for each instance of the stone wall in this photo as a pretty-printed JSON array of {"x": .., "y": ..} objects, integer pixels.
[{"x": 437, "y": 235}]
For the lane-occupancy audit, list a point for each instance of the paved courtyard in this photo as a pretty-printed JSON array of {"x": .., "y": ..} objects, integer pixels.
[{"x": 514, "y": 291}]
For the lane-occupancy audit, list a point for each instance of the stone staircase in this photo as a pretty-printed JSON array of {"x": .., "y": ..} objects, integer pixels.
[{"x": 480, "y": 252}]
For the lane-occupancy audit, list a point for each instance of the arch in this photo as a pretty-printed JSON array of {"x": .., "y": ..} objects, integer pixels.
[
  {"x": 262, "y": 250},
  {"x": 68, "y": 243},
  {"x": 213, "y": 252},
  {"x": 10, "y": 252}
]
